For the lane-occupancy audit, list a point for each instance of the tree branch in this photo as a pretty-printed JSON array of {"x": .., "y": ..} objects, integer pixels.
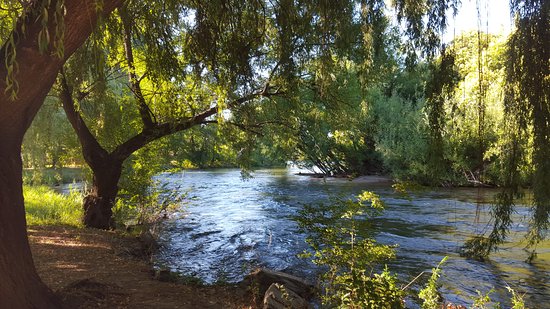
[
  {"x": 91, "y": 149},
  {"x": 158, "y": 131},
  {"x": 147, "y": 116}
]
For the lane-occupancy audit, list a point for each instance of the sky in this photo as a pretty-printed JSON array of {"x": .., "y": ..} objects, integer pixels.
[{"x": 495, "y": 17}]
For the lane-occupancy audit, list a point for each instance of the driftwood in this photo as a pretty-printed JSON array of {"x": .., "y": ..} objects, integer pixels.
[
  {"x": 278, "y": 296},
  {"x": 261, "y": 279}
]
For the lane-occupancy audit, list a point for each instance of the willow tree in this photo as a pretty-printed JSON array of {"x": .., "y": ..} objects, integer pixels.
[
  {"x": 188, "y": 63},
  {"x": 528, "y": 100},
  {"x": 210, "y": 59},
  {"x": 37, "y": 37},
  {"x": 527, "y": 122}
]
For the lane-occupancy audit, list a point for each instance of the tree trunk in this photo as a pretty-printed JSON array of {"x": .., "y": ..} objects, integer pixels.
[
  {"x": 100, "y": 200},
  {"x": 106, "y": 168},
  {"x": 20, "y": 286}
]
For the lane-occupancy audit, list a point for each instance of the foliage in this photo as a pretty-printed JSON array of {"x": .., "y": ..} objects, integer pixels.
[
  {"x": 332, "y": 127},
  {"x": 49, "y": 141},
  {"x": 474, "y": 129},
  {"x": 342, "y": 242},
  {"x": 527, "y": 98},
  {"x": 148, "y": 207},
  {"x": 335, "y": 121},
  {"x": 447, "y": 130},
  {"x": 429, "y": 294},
  {"x": 199, "y": 147},
  {"x": 526, "y": 142},
  {"x": 50, "y": 36},
  {"x": 517, "y": 299},
  {"x": 143, "y": 200},
  {"x": 439, "y": 89},
  {"x": 450, "y": 114},
  {"x": 49, "y": 176},
  {"x": 482, "y": 300},
  {"x": 252, "y": 48},
  {"x": 432, "y": 299},
  {"x": 46, "y": 207},
  {"x": 215, "y": 146},
  {"x": 401, "y": 135}
]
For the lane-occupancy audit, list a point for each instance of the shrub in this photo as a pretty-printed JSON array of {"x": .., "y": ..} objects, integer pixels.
[
  {"x": 429, "y": 294},
  {"x": 341, "y": 241}
]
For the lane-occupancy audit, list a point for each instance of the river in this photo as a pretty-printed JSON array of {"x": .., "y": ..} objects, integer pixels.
[{"x": 229, "y": 226}]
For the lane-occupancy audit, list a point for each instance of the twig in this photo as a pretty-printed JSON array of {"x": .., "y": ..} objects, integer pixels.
[{"x": 413, "y": 280}]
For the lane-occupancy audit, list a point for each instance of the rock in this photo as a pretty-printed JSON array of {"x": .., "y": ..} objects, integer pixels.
[
  {"x": 278, "y": 296},
  {"x": 260, "y": 280}
]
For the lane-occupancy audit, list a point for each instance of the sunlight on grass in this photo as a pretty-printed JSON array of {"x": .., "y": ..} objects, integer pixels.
[{"x": 46, "y": 207}]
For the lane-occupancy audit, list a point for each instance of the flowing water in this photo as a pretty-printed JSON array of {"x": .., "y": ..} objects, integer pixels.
[{"x": 230, "y": 226}]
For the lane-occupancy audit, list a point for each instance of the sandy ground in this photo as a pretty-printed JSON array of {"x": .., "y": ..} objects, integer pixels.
[{"x": 92, "y": 269}]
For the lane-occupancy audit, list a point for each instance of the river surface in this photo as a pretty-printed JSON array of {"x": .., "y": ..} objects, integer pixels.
[{"x": 230, "y": 226}]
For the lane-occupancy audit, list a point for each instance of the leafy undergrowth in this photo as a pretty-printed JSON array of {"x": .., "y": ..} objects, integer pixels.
[
  {"x": 341, "y": 239},
  {"x": 46, "y": 207}
]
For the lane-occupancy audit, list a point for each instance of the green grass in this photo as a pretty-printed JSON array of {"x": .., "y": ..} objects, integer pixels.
[{"x": 46, "y": 207}]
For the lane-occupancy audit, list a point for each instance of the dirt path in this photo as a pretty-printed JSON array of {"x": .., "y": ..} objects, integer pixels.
[{"x": 90, "y": 269}]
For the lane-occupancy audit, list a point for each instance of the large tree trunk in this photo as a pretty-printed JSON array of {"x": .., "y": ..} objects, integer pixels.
[
  {"x": 99, "y": 202},
  {"x": 20, "y": 286}
]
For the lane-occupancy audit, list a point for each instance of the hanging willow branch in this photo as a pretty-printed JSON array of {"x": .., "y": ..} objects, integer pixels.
[
  {"x": 51, "y": 16},
  {"x": 527, "y": 113},
  {"x": 439, "y": 88},
  {"x": 482, "y": 90},
  {"x": 528, "y": 78}
]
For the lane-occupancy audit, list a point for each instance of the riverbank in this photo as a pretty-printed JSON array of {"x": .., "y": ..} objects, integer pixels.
[
  {"x": 91, "y": 268},
  {"x": 387, "y": 179},
  {"x": 382, "y": 179}
]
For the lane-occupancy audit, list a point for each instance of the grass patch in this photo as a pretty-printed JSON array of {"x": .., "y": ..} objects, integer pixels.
[
  {"x": 51, "y": 176},
  {"x": 46, "y": 207}
]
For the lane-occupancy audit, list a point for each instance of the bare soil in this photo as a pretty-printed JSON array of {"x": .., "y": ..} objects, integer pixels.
[{"x": 91, "y": 268}]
